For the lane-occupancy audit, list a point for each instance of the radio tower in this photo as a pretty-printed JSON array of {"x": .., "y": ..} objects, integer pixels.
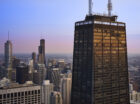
[
  {"x": 109, "y": 7},
  {"x": 90, "y": 7}
]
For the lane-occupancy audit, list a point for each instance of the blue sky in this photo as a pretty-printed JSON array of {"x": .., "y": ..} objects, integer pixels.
[{"x": 54, "y": 19}]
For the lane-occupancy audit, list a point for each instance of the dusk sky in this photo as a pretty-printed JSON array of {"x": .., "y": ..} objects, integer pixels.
[{"x": 54, "y": 19}]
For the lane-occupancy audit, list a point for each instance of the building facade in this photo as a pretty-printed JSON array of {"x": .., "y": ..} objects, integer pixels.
[
  {"x": 55, "y": 98},
  {"x": 41, "y": 50},
  {"x": 22, "y": 73},
  {"x": 100, "y": 67},
  {"x": 41, "y": 70},
  {"x": 20, "y": 94},
  {"x": 8, "y": 58},
  {"x": 47, "y": 89},
  {"x": 66, "y": 90},
  {"x": 8, "y": 54},
  {"x": 54, "y": 77},
  {"x": 34, "y": 58}
]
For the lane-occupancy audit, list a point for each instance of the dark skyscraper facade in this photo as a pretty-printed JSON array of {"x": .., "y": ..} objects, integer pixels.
[
  {"x": 41, "y": 55},
  {"x": 100, "y": 67},
  {"x": 34, "y": 57},
  {"x": 22, "y": 73}
]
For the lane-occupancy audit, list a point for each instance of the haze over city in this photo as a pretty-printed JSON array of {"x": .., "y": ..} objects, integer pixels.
[{"x": 54, "y": 19}]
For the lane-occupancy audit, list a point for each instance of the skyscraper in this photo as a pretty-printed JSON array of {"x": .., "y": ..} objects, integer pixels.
[
  {"x": 30, "y": 70},
  {"x": 22, "y": 73},
  {"x": 46, "y": 91},
  {"x": 55, "y": 98},
  {"x": 100, "y": 67},
  {"x": 66, "y": 90},
  {"x": 41, "y": 55},
  {"x": 41, "y": 70},
  {"x": 54, "y": 77},
  {"x": 34, "y": 58},
  {"x": 8, "y": 54},
  {"x": 8, "y": 58}
]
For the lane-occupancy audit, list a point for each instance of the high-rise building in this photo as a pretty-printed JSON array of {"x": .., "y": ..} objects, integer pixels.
[
  {"x": 8, "y": 54},
  {"x": 47, "y": 88},
  {"x": 36, "y": 77},
  {"x": 61, "y": 64},
  {"x": 100, "y": 67},
  {"x": 55, "y": 98},
  {"x": 8, "y": 58},
  {"x": 15, "y": 62},
  {"x": 41, "y": 55},
  {"x": 66, "y": 90},
  {"x": 41, "y": 70},
  {"x": 34, "y": 58},
  {"x": 54, "y": 77},
  {"x": 22, "y": 74},
  {"x": 20, "y": 94},
  {"x": 30, "y": 70}
]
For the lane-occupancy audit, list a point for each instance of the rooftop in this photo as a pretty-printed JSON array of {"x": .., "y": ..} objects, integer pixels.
[{"x": 16, "y": 85}]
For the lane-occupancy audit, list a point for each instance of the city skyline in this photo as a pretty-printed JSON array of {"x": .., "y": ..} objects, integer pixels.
[{"x": 27, "y": 20}]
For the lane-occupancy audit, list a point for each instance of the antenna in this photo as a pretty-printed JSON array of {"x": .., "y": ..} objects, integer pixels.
[
  {"x": 41, "y": 35},
  {"x": 90, "y": 7},
  {"x": 8, "y": 35},
  {"x": 109, "y": 7}
]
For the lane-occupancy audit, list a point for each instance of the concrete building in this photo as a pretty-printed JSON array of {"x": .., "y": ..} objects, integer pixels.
[
  {"x": 66, "y": 90},
  {"x": 20, "y": 94},
  {"x": 55, "y": 98},
  {"x": 34, "y": 58},
  {"x": 36, "y": 77},
  {"x": 41, "y": 70},
  {"x": 30, "y": 70},
  {"x": 54, "y": 77},
  {"x": 135, "y": 97},
  {"x": 47, "y": 89}
]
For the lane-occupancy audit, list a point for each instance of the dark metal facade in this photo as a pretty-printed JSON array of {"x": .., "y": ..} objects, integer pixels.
[
  {"x": 41, "y": 49},
  {"x": 100, "y": 67}
]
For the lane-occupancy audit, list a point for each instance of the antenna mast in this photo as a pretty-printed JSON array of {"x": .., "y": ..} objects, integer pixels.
[
  {"x": 109, "y": 7},
  {"x": 8, "y": 35},
  {"x": 90, "y": 7}
]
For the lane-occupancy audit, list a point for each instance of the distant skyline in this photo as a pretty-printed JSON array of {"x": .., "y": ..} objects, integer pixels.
[{"x": 54, "y": 19}]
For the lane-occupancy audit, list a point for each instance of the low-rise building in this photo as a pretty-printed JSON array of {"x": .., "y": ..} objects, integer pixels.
[{"x": 20, "y": 94}]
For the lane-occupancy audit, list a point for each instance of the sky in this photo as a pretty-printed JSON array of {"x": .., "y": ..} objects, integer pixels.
[{"x": 30, "y": 20}]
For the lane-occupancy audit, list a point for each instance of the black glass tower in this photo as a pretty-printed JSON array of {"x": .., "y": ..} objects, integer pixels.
[
  {"x": 100, "y": 67},
  {"x": 41, "y": 49}
]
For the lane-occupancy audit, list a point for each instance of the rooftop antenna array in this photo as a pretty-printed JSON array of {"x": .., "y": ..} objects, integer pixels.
[
  {"x": 109, "y": 7},
  {"x": 90, "y": 7},
  {"x": 41, "y": 36}
]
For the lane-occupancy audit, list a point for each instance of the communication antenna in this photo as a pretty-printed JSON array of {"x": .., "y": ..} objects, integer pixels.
[
  {"x": 109, "y": 7},
  {"x": 8, "y": 35},
  {"x": 41, "y": 35},
  {"x": 90, "y": 7}
]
